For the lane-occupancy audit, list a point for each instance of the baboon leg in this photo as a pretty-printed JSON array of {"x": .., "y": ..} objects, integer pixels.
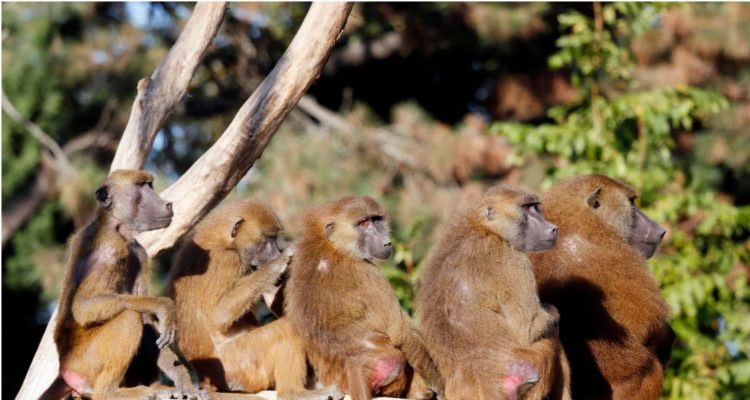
[{"x": 125, "y": 330}]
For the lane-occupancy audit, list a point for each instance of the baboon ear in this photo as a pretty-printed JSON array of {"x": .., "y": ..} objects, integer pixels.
[
  {"x": 489, "y": 213},
  {"x": 236, "y": 227},
  {"x": 103, "y": 197},
  {"x": 593, "y": 199},
  {"x": 329, "y": 229}
]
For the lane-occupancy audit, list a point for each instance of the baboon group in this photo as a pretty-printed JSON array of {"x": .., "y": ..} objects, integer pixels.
[{"x": 522, "y": 297}]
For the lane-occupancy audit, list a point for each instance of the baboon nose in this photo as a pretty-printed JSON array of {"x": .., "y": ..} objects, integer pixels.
[
  {"x": 169, "y": 206},
  {"x": 553, "y": 230},
  {"x": 662, "y": 233},
  {"x": 388, "y": 245}
]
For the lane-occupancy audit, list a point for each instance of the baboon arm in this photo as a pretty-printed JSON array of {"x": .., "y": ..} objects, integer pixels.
[
  {"x": 142, "y": 286},
  {"x": 240, "y": 298},
  {"x": 345, "y": 334},
  {"x": 90, "y": 310}
]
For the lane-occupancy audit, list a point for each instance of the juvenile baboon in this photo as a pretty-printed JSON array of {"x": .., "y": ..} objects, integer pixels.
[
  {"x": 478, "y": 306},
  {"x": 356, "y": 334},
  {"x": 105, "y": 299},
  {"x": 219, "y": 274},
  {"x": 615, "y": 330}
]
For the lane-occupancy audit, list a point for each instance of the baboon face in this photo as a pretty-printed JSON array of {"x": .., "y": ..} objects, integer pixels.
[
  {"x": 129, "y": 197},
  {"x": 373, "y": 237},
  {"x": 359, "y": 226},
  {"x": 261, "y": 252},
  {"x": 536, "y": 233},
  {"x": 515, "y": 216},
  {"x": 256, "y": 238},
  {"x": 615, "y": 205},
  {"x": 647, "y": 234}
]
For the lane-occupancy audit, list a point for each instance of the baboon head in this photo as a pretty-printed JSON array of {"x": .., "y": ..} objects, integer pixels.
[
  {"x": 358, "y": 226},
  {"x": 613, "y": 203},
  {"x": 255, "y": 233},
  {"x": 129, "y": 197},
  {"x": 247, "y": 227},
  {"x": 515, "y": 216}
]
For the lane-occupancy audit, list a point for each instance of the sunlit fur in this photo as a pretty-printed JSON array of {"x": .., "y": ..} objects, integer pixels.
[
  {"x": 214, "y": 293},
  {"x": 334, "y": 224},
  {"x": 344, "y": 307},
  {"x": 613, "y": 319},
  {"x": 124, "y": 182},
  {"x": 506, "y": 216},
  {"x": 614, "y": 216},
  {"x": 477, "y": 303},
  {"x": 106, "y": 290}
]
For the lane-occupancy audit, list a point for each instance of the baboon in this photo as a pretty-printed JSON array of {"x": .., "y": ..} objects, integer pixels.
[
  {"x": 106, "y": 297},
  {"x": 478, "y": 306},
  {"x": 356, "y": 333},
  {"x": 220, "y": 273},
  {"x": 615, "y": 330}
]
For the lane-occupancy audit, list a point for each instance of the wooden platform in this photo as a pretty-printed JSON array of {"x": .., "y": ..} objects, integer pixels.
[{"x": 266, "y": 395}]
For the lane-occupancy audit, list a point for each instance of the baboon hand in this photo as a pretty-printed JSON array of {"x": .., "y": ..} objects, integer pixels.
[
  {"x": 167, "y": 323},
  {"x": 545, "y": 323},
  {"x": 279, "y": 266}
]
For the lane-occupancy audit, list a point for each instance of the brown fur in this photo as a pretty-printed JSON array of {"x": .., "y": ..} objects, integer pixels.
[
  {"x": 478, "y": 307},
  {"x": 215, "y": 291},
  {"x": 106, "y": 300},
  {"x": 613, "y": 319},
  {"x": 344, "y": 308}
]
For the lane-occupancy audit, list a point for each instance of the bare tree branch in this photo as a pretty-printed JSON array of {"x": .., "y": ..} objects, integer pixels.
[
  {"x": 357, "y": 53},
  {"x": 211, "y": 177},
  {"x": 61, "y": 160},
  {"x": 22, "y": 208},
  {"x": 158, "y": 94},
  {"x": 93, "y": 139},
  {"x": 390, "y": 143},
  {"x": 24, "y": 205},
  {"x": 217, "y": 172}
]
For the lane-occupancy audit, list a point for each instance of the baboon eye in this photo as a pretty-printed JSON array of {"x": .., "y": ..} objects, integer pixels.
[
  {"x": 364, "y": 223},
  {"x": 531, "y": 207},
  {"x": 632, "y": 200}
]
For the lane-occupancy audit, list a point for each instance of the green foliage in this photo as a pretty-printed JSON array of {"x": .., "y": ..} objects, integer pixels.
[
  {"x": 35, "y": 243},
  {"x": 629, "y": 134}
]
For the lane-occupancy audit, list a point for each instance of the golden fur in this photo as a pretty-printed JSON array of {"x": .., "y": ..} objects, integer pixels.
[
  {"x": 214, "y": 292},
  {"x": 104, "y": 302},
  {"x": 613, "y": 319},
  {"x": 344, "y": 308},
  {"x": 478, "y": 307}
]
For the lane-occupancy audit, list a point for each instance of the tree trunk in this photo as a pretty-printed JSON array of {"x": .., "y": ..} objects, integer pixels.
[
  {"x": 158, "y": 94},
  {"x": 216, "y": 173}
]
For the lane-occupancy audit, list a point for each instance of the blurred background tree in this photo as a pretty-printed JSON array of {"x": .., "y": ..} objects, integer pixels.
[{"x": 422, "y": 106}]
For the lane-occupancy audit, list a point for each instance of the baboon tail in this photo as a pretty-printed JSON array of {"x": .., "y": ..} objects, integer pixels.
[
  {"x": 413, "y": 348},
  {"x": 56, "y": 391}
]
